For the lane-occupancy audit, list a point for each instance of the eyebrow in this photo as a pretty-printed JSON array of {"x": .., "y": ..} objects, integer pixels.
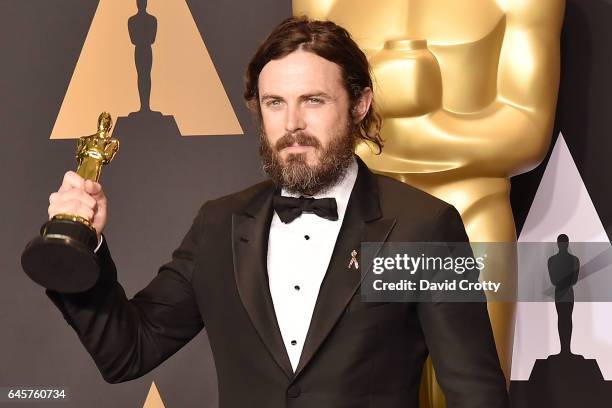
[{"x": 319, "y": 94}]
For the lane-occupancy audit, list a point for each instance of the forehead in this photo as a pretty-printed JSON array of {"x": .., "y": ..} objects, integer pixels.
[{"x": 299, "y": 73}]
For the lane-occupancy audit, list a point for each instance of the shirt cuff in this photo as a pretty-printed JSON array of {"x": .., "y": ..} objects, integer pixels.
[{"x": 99, "y": 243}]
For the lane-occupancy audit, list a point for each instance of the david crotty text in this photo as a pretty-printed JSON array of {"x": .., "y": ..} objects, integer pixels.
[{"x": 424, "y": 284}]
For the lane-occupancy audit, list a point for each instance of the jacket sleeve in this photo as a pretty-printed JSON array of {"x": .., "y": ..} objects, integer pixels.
[
  {"x": 128, "y": 338},
  {"x": 460, "y": 339}
]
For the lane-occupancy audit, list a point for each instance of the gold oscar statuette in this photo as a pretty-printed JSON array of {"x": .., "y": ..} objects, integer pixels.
[{"x": 62, "y": 258}]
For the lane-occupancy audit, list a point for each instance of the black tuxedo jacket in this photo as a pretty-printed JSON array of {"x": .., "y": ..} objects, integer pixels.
[{"x": 356, "y": 354}]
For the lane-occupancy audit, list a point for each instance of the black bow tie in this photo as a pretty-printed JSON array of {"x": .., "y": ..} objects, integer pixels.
[{"x": 289, "y": 208}]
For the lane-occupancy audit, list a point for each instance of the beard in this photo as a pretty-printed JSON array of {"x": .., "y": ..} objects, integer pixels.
[{"x": 295, "y": 174}]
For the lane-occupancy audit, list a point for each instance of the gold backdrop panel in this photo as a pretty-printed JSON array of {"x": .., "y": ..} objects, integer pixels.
[{"x": 467, "y": 90}]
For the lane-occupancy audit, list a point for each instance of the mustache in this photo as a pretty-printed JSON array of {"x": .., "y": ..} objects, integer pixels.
[{"x": 301, "y": 138}]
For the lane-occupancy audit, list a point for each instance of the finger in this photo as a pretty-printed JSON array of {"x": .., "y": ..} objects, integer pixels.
[
  {"x": 76, "y": 194},
  {"x": 68, "y": 194},
  {"x": 73, "y": 180},
  {"x": 73, "y": 207},
  {"x": 86, "y": 212},
  {"x": 54, "y": 197},
  {"x": 64, "y": 187},
  {"x": 65, "y": 207}
]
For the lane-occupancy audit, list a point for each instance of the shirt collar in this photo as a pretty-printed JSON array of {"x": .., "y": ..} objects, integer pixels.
[{"x": 341, "y": 191}]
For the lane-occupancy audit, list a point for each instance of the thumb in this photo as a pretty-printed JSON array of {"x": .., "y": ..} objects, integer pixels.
[{"x": 92, "y": 187}]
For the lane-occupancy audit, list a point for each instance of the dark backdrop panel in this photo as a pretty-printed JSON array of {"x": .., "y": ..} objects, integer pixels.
[{"x": 153, "y": 195}]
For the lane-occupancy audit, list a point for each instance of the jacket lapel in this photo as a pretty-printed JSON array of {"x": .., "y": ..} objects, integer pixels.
[
  {"x": 362, "y": 222},
  {"x": 250, "y": 231}
]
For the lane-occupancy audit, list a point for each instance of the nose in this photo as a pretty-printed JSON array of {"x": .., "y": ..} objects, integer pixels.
[{"x": 293, "y": 119}]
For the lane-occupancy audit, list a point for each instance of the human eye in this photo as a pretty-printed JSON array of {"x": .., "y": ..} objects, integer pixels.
[
  {"x": 272, "y": 102},
  {"x": 315, "y": 100}
]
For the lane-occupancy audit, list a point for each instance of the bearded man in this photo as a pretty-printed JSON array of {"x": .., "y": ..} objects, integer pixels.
[{"x": 270, "y": 271}]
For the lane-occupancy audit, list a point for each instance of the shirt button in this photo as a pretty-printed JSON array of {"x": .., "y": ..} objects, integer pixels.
[
  {"x": 296, "y": 287},
  {"x": 294, "y": 391},
  {"x": 306, "y": 237},
  {"x": 293, "y": 342}
]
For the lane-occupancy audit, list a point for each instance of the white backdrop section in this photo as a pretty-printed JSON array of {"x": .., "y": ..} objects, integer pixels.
[{"x": 562, "y": 205}]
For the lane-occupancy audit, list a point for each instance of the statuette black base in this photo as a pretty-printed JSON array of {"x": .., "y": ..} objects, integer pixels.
[{"x": 62, "y": 258}]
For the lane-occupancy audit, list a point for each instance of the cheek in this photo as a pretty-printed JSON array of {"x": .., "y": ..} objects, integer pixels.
[
  {"x": 326, "y": 123},
  {"x": 272, "y": 126}
]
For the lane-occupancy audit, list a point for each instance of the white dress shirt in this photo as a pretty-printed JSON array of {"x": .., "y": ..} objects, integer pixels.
[{"x": 298, "y": 256}]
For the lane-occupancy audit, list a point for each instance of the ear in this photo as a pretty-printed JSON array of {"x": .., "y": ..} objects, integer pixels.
[{"x": 363, "y": 105}]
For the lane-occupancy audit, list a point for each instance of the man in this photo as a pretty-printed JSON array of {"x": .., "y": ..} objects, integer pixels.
[{"x": 267, "y": 273}]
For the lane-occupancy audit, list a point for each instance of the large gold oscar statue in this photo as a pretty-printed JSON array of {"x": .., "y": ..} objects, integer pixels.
[{"x": 468, "y": 91}]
